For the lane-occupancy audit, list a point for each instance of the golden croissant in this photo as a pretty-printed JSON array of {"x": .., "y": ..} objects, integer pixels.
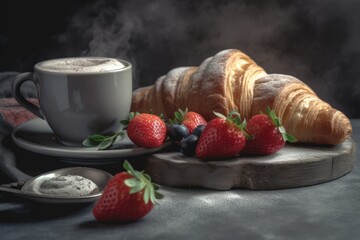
[{"x": 231, "y": 80}]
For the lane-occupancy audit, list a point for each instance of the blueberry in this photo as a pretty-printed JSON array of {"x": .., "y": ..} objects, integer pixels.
[
  {"x": 176, "y": 132},
  {"x": 188, "y": 145},
  {"x": 198, "y": 130}
]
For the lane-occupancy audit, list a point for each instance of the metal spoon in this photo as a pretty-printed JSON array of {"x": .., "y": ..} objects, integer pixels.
[{"x": 30, "y": 189}]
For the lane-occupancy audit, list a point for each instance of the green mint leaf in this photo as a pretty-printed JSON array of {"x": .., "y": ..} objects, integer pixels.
[
  {"x": 102, "y": 142},
  {"x": 89, "y": 143},
  {"x": 107, "y": 143},
  {"x": 94, "y": 140},
  {"x": 97, "y": 138}
]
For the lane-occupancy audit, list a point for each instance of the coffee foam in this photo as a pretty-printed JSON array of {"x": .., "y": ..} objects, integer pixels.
[{"x": 81, "y": 65}]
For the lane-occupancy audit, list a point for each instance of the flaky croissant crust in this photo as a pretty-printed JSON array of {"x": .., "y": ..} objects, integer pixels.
[{"x": 231, "y": 80}]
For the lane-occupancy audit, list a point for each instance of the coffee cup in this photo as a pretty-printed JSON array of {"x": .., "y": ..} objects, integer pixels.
[{"x": 79, "y": 96}]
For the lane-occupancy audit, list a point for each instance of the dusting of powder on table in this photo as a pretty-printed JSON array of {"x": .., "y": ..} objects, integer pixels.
[{"x": 69, "y": 185}]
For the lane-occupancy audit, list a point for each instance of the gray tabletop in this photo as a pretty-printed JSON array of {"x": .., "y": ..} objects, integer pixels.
[{"x": 326, "y": 211}]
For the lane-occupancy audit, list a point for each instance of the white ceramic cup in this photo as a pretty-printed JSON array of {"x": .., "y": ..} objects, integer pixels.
[{"x": 80, "y": 96}]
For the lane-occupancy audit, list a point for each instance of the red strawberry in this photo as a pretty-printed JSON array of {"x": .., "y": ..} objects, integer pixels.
[
  {"x": 223, "y": 137},
  {"x": 267, "y": 133},
  {"x": 190, "y": 119},
  {"x": 146, "y": 130},
  {"x": 128, "y": 196}
]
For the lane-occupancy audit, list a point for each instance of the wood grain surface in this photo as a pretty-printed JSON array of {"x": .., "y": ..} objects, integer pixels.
[{"x": 295, "y": 165}]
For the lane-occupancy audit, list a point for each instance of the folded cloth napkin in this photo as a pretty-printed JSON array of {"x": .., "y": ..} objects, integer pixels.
[{"x": 11, "y": 112}]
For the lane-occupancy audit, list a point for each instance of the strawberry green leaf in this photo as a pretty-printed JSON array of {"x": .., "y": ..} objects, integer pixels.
[
  {"x": 147, "y": 176},
  {"x": 127, "y": 166},
  {"x": 282, "y": 130},
  {"x": 237, "y": 121},
  {"x": 147, "y": 195},
  {"x": 243, "y": 124},
  {"x": 288, "y": 137},
  {"x": 137, "y": 188},
  {"x": 234, "y": 113},
  {"x": 219, "y": 115},
  {"x": 182, "y": 112},
  {"x": 273, "y": 117},
  {"x": 141, "y": 181},
  {"x": 158, "y": 195},
  {"x": 152, "y": 194},
  {"x": 156, "y": 186},
  {"x": 178, "y": 117},
  {"x": 162, "y": 117},
  {"x": 277, "y": 121},
  {"x": 131, "y": 182},
  {"x": 125, "y": 122}
]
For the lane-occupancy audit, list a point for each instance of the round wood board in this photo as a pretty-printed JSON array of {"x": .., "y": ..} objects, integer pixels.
[{"x": 295, "y": 165}]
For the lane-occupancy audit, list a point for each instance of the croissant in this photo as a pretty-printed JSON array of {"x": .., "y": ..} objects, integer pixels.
[{"x": 231, "y": 80}]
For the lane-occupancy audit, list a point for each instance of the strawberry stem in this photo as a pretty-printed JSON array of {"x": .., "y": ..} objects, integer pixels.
[
  {"x": 235, "y": 118},
  {"x": 125, "y": 122},
  {"x": 277, "y": 121},
  {"x": 178, "y": 116},
  {"x": 142, "y": 181}
]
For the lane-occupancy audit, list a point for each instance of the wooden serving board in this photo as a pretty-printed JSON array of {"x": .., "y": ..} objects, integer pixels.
[{"x": 295, "y": 165}]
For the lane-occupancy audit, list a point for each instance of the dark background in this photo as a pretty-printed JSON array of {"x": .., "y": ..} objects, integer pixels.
[{"x": 316, "y": 41}]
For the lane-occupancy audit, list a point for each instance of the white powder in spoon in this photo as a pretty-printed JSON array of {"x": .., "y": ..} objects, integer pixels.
[{"x": 69, "y": 185}]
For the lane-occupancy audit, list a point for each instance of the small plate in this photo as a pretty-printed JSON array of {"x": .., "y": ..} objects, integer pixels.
[
  {"x": 30, "y": 189},
  {"x": 36, "y": 136}
]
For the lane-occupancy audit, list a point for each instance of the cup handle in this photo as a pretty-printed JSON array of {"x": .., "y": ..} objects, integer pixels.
[{"x": 15, "y": 88}]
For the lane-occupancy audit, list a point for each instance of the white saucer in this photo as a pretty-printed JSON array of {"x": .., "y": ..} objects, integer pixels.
[{"x": 36, "y": 136}]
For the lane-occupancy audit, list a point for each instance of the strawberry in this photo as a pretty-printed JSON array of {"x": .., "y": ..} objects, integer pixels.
[
  {"x": 222, "y": 137},
  {"x": 146, "y": 130},
  {"x": 190, "y": 119},
  {"x": 267, "y": 134},
  {"x": 128, "y": 196}
]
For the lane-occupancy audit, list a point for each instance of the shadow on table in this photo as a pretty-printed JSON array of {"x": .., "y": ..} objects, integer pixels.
[
  {"x": 94, "y": 224},
  {"x": 25, "y": 211}
]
